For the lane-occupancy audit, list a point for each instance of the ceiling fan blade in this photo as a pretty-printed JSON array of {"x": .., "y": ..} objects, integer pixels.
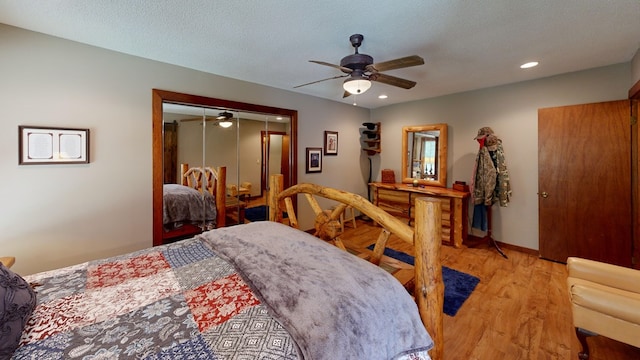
[
  {"x": 346, "y": 93},
  {"x": 404, "y": 62},
  {"x": 341, "y": 68},
  {"x": 392, "y": 80},
  {"x": 208, "y": 118},
  {"x": 317, "y": 81},
  {"x": 196, "y": 119}
]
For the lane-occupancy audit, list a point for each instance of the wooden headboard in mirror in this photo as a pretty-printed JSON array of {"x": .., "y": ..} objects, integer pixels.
[
  {"x": 160, "y": 97},
  {"x": 424, "y": 154}
]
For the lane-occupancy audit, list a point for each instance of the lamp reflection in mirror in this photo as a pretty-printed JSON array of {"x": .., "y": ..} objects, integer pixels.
[{"x": 224, "y": 119}]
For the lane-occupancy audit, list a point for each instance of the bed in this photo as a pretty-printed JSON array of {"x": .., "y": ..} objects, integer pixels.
[
  {"x": 261, "y": 290},
  {"x": 192, "y": 206}
]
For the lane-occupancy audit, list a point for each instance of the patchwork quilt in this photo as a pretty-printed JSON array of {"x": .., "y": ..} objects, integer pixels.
[{"x": 176, "y": 301}]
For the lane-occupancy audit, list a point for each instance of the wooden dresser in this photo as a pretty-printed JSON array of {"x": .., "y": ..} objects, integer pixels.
[{"x": 399, "y": 199}]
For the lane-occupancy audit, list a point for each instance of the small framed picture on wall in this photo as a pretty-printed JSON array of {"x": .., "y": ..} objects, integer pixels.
[
  {"x": 52, "y": 145},
  {"x": 331, "y": 143},
  {"x": 314, "y": 160}
]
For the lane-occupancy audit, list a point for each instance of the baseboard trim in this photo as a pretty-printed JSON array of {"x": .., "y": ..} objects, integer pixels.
[
  {"x": 473, "y": 241},
  {"x": 521, "y": 249}
]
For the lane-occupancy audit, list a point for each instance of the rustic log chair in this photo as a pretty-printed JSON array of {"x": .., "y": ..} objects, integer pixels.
[{"x": 426, "y": 239}]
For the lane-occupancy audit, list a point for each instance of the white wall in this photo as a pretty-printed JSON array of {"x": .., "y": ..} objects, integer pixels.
[
  {"x": 250, "y": 154},
  {"x": 57, "y": 215},
  {"x": 635, "y": 67},
  {"x": 511, "y": 111}
]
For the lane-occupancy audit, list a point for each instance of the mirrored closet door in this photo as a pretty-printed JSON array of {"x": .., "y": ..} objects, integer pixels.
[{"x": 198, "y": 139}]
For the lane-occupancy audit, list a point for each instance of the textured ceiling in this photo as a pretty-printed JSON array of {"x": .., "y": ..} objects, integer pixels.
[{"x": 466, "y": 44}]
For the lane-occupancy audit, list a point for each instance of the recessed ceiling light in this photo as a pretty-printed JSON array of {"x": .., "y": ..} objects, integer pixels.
[
  {"x": 529, "y": 65},
  {"x": 382, "y": 96}
]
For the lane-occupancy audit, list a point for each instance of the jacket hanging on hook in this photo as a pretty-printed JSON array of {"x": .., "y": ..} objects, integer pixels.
[{"x": 490, "y": 181}]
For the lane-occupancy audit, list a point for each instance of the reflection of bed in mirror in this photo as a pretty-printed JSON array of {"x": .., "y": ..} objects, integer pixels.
[{"x": 192, "y": 206}]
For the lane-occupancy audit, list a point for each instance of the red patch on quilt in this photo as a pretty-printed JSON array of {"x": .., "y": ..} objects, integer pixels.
[
  {"x": 117, "y": 272},
  {"x": 216, "y": 302},
  {"x": 54, "y": 317}
]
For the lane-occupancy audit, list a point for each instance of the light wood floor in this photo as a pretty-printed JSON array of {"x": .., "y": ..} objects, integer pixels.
[{"x": 519, "y": 310}]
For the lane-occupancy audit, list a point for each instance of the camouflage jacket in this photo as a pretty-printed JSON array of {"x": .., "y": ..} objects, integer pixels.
[{"x": 491, "y": 178}]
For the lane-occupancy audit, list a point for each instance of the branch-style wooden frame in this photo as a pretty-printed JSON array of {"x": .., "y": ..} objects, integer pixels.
[{"x": 426, "y": 238}]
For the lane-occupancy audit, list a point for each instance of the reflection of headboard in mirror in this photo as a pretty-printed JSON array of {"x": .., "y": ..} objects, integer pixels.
[
  {"x": 160, "y": 97},
  {"x": 424, "y": 154}
]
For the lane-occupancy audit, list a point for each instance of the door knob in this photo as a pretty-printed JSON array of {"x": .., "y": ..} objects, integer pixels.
[{"x": 544, "y": 194}]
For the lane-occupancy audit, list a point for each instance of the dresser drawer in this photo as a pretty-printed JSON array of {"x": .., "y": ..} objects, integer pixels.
[
  {"x": 399, "y": 200},
  {"x": 394, "y": 202},
  {"x": 395, "y": 209},
  {"x": 393, "y": 196}
]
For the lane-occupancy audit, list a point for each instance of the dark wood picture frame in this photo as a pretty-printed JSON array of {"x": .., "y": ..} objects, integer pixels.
[
  {"x": 41, "y": 145},
  {"x": 313, "y": 160},
  {"x": 331, "y": 143}
]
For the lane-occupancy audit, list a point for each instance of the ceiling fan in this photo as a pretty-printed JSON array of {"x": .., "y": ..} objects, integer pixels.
[
  {"x": 224, "y": 119},
  {"x": 361, "y": 70}
]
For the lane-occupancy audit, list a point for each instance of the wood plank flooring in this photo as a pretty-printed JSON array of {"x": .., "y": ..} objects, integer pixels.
[{"x": 519, "y": 310}]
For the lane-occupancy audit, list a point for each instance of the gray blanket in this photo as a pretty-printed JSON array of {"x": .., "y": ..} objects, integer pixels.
[
  {"x": 325, "y": 297},
  {"x": 184, "y": 204}
]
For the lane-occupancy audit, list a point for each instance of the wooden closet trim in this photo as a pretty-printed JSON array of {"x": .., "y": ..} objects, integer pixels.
[{"x": 634, "y": 97}]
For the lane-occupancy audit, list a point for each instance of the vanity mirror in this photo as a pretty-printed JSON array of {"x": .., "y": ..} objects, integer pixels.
[
  {"x": 256, "y": 141},
  {"x": 424, "y": 154}
]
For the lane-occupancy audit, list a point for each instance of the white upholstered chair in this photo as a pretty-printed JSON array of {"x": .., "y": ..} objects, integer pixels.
[{"x": 605, "y": 300}]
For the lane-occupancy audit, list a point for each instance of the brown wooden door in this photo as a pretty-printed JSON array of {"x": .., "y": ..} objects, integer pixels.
[
  {"x": 584, "y": 182},
  {"x": 170, "y": 161},
  {"x": 284, "y": 160}
]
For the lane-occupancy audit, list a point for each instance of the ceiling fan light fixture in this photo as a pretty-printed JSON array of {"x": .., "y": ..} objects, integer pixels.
[
  {"x": 224, "y": 119},
  {"x": 356, "y": 86}
]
